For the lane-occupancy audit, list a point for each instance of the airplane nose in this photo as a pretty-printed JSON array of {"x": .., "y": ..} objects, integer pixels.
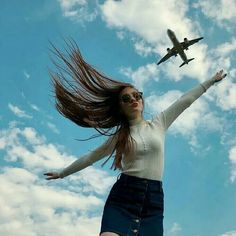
[{"x": 169, "y": 32}]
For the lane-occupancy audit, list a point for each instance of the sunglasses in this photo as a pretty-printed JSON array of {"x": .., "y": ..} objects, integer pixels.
[{"x": 127, "y": 98}]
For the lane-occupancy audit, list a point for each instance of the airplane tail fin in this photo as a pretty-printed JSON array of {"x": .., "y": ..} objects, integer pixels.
[{"x": 187, "y": 62}]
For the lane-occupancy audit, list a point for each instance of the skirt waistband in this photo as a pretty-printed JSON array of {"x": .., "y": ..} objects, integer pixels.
[{"x": 134, "y": 179}]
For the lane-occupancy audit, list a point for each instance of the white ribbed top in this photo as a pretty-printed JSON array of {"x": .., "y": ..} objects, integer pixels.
[{"x": 147, "y": 160}]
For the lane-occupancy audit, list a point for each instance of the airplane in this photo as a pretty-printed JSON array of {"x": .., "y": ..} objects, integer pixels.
[{"x": 178, "y": 48}]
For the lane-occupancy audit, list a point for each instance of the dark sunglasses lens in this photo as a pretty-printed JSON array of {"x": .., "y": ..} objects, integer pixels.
[
  {"x": 126, "y": 98},
  {"x": 137, "y": 96}
]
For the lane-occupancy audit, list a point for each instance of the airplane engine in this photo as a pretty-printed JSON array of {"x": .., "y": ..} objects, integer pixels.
[
  {"x": 168, "y": 50},
  {"x": 186, "y": 41}
]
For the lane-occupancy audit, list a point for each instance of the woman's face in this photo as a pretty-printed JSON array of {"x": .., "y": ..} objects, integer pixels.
[{"x": 131, "y": 105}]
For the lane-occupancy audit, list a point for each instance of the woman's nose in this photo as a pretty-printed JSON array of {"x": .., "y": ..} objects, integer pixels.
[{"x": 132, "y": 100}]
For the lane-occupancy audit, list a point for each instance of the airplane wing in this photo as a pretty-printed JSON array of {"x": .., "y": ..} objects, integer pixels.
[
  {"x": 187, "y": 43},
  {"x": 170, "y": 53}
]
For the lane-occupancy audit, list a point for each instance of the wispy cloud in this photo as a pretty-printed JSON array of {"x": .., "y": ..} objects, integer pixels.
[
  {"x": 142, "y": 48},
  {"x": 78, "y": 10},
  {"x": 224, "y": 95},
  {"x": 34, "y": 107},
  {"x": 232, "y": 158},
  {"x": 230, "y": 233},
  {"x": 227, "y": 48},
  {"x": 142, "y": 75},
  {"x": 18, "y": 112},
  {"x": 223, "y": 12},
  {"x": 120, "y": 35},
  {"x": 175, "y": 229},
  {"x": 53, "y": 127},
  {"x": 26, "y": 74}
]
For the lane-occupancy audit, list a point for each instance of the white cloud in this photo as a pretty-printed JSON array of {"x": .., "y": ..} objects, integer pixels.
[
  {"x": 78, "y": 10},
  {"x": 22, "y": 94},
  {"x": 18, "y": 175},
  {"x": 223, "y": 12},
  {"x": 18, "y": 112},
  {"x": 34, "y": 107},
  {"x": 224, "y": 94},
  {"x": 232, "y": 155},
  {"x": 227, "y": 48},
  {"x": 41, "y": 155},
  {"x": 120, "y": 35},
  {"x": 160, "y": 103},
  {"x": 232, "y": 158},
  {"x": 142, "y": 48},
  {"x": 230, "y": 233},
  {"x": 142, "y": 75},
  {"x": 133, "y": 16},
  {"x": 53, "y": 127},
  {"x": 2, "y": 143},
  {"x": 26, "y": 74},
  {"x": 31, "y": 136},
  {"x": 30, "y": 205},
  {"x": 175, "y": 229}
]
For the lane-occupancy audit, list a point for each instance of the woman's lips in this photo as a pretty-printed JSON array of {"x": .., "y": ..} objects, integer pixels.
[{"x": 134, "y": 105}]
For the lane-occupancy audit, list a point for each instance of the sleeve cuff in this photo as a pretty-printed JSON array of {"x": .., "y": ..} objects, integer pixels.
[
  {"x": 207, "y": 84},
  {"x": 61, "y": 175}
]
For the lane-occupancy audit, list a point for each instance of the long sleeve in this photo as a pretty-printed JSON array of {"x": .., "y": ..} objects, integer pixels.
[
  {"x": 173, "y": 111},
  {"x": 88, "y": 159}
]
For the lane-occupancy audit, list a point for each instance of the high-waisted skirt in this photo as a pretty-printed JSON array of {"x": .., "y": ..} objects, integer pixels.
[{"x": 134, "y": 207}]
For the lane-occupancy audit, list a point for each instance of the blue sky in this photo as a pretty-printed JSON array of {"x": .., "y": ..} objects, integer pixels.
[{"x": 123, "y": 39}]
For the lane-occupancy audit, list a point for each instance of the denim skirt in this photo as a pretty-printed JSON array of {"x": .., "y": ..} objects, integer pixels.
[{"x": 134, "y": 207}]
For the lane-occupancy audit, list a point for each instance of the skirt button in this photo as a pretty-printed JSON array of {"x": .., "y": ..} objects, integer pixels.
[{"x": 135, "y": 231}]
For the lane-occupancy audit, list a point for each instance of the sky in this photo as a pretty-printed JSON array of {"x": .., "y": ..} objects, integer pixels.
[{"x": 123, "y": 39}]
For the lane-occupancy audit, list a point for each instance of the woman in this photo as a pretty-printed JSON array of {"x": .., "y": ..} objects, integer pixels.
[{"x": 135, "y": 203}]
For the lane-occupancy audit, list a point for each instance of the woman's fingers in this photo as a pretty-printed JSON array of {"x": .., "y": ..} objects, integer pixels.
[
  {"x": 220, "y": 75},
  {"x": 52, "y": 175}
]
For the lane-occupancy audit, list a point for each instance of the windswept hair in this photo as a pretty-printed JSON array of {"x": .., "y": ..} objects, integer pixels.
[{"x": 90, "y": 99}]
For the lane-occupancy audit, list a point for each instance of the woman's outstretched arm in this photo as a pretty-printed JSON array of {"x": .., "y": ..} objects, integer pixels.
[
  {"x": 173, "y": 111},
  {"x": 86, "y": 160}
]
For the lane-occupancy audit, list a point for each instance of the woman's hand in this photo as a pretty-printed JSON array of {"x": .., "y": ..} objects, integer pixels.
[
  {"x": 219, "y": 76},
  {"x": 52, "y": 175}
]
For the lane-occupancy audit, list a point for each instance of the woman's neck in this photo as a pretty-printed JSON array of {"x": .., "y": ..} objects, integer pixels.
[{"x": 136, "y": 121}]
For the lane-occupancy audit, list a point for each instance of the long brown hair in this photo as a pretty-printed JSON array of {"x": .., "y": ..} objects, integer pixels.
[{"x": 90, "y": 99}]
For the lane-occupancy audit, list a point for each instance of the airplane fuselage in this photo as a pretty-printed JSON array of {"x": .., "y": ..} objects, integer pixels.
[{"x": 177, "y": 45}]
